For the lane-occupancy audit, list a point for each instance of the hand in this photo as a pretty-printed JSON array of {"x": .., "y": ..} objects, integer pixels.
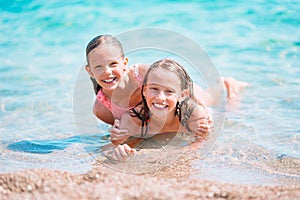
[
  {"x": 200, "y": 122},
  {"x": 122, "y": 152},
  {"x": 118, "y": 136},
  {"x": 204, "y": 127},
  {"x": 233, "y": 86}
]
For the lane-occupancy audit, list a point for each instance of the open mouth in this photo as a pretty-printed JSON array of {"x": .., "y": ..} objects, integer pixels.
[
  {"x": 110, "y": 80},
  {"x": 160, "y": 106}
]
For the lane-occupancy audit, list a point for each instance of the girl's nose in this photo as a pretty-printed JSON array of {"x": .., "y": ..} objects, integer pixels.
[
  {"x": 161, "y": 95},
  {"x": 107, "y": 69}
]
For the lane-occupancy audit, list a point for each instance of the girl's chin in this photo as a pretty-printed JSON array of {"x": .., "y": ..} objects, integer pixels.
[
  {"x": 110, "y": 87},
  {"x": 159, "y": 110},
  {"x": 159, "y": 113}
]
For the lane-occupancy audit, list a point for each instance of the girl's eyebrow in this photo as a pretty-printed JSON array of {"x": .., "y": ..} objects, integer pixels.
[
  {"x": 153, "y": 84},
  {"x": 167, "y": 87},
  {"x": 110, "y": 62},
  {"x": 117, "y": 58}
]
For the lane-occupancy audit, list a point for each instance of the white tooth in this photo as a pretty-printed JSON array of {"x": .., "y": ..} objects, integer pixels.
[
  {"x": 159, "y": 105},
  {"x": 109, "y": 80}
]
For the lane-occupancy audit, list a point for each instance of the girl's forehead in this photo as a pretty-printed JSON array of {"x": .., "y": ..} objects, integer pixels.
[
  {"x": 106, "y": 51},
  {"x": 163, "y": 77},
  {"x": 160, "y": 72}
]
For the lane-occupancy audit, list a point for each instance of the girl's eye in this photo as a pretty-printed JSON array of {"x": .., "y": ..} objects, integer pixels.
[
  {"x": 114, "y": 64},
  {"x": 98, "y": 66},
  {"x": 154, "y": 89},
  {"x": 170, "y": 91}
]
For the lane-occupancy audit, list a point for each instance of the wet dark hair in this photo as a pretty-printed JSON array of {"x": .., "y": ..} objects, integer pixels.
[
  {"x": 99, "y": 41},
  {"x": 185, "y": 107}
]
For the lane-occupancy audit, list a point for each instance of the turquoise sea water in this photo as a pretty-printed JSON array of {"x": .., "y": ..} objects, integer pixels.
[{"x": 43, "y": 49}]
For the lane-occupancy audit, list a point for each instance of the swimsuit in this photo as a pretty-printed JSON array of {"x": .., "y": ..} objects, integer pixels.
[{"x": 117, "y": 110}]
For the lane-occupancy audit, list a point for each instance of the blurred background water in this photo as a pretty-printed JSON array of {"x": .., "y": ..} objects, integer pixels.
[{"x": 43, "y": 50}]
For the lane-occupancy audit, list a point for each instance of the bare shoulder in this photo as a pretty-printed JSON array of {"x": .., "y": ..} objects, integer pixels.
[
  {"x": 140, "y": 69},
  {"x": 143, "y": 68},
  {"x": 199, "y": 111}
]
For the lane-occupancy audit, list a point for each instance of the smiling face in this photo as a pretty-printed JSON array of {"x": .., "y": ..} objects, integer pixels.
[
  {"x": 162, "y": 91},
  {"x": 107, "y": 65}
]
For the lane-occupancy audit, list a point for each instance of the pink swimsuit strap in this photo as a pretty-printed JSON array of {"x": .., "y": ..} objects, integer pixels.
[
  {"x": 117, "y": 110},
  {"x": 137, "y": 75}
]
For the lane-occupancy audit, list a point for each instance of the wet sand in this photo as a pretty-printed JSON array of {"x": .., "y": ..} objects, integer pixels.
[{"x": 171, "y": 182}]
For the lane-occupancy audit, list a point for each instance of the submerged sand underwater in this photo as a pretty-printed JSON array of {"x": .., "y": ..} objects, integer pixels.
[{"x": 102, "y": 182}]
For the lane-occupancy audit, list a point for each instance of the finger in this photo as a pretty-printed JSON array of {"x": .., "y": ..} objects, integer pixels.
[
  {"x": 129, "y": 149},
  {"x": 203, "y": 127},
  {"x": 199, "y": 138},
  {"x": 204, "y": 122},
  {"x": 117, "y": 136},
  {"x": 117, "y": 131},
  {"x": 202, "y": 131},
  {"x": 209, "y": 126},
  {"x": 117, "y": 155},
  {"x": 114, "y": 157},
  {"x": 122, "y": 133},
  {"x": 120, "y": 153},
  {"x": 123, "y": 151},
  {"x": 132, "y": 152},
  {"x": 126, "y": 147},
  {"x": 116, "y": 123}
]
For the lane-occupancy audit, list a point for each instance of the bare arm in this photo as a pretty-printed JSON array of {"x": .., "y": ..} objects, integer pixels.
[
  {"x": 120, "y": 133},
  {"x": 202, "y": 97},
  {"x": 103, "y": 113},
  {"x": 124, "y": 128},
  {"x": 199, "y": 122},
  {"x": 195, "y": 118}
]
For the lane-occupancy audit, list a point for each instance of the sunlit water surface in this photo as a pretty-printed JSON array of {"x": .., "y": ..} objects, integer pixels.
[{"x": 42, "y": 53}]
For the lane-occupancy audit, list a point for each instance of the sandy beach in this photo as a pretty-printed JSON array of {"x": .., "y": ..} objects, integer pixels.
[{"x": 171, "y": 182}]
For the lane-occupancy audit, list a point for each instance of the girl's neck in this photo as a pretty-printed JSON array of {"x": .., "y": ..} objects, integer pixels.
[{"x": 107, "y": 93}]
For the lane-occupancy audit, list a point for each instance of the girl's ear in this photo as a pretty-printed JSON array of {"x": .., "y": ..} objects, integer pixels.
[
  {"x": 125, "y": 61},
  {"x": 144, "y": 90},
  {"x": 89, "y": 71},
  {"x": 184, "y": 94}
]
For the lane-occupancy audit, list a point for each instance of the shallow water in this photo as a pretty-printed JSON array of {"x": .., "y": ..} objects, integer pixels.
[{"x": 42, "y": 53}]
